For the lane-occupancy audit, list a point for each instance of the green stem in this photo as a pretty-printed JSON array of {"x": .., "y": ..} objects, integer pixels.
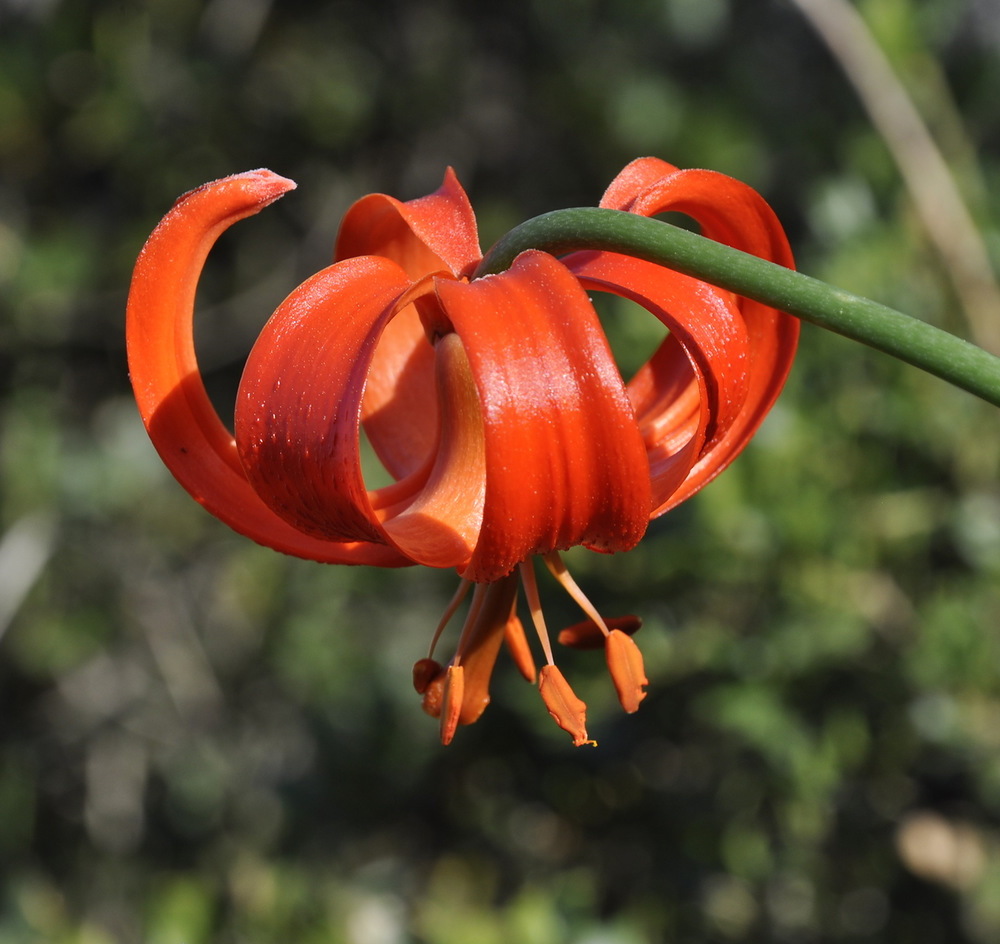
[{"x": 861, "y": 319}]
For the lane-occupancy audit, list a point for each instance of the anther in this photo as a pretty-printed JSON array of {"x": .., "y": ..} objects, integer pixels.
[
  {"x": 451, "y": 710},
  {"x": 626, "y": 668},
  {"x": 588, "y": 635},
  {"x": 568, "y": 711}
]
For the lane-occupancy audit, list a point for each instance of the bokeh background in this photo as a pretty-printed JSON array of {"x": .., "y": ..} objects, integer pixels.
[{"x": 203, "y": 741}]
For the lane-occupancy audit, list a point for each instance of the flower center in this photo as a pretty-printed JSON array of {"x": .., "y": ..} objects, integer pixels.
[{"x": 459, "y": 692}]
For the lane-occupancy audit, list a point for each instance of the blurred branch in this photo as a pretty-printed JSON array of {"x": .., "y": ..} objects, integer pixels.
[
  {"x": 915, "y": 342},
  {"x": 928, "y": 179},
  {"x": 180, "y": 657},
  {"x": 24, "y": 551}
]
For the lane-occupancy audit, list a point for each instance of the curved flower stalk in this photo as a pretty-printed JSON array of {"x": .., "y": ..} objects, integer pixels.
[{"x": 494, "y": 402}]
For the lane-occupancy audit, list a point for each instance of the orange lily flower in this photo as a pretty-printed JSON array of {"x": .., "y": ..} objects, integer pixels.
[{"x": 494, "y": 403}]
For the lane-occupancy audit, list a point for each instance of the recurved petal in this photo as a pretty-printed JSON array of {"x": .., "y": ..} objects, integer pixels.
[
  {"x": 733, "y": 213},
  {"x": 634, "y": 179},
  {"x": 429, "y": 234},
  {"x": 298, "y": 420},
  {"x": 684, "y": 409},
  {"x": 299, "y": 403},
  {"x": 727, "y": 209},
  {"x": 399, "y": 407},
  {"x": 182, "y": 423},
  {"x": 565, "y": 463},
  {"x": 423, "y": 235}
]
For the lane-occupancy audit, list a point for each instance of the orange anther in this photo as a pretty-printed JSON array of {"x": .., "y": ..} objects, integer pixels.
[
  {"x": 424, "y": 672},
  {"x": 588, "y": 635},
  {"x": 434, "y": 696},
  {"x": 454, "y": 692},
  {"x": 569, "y": 712},
  {"x": 625, "y": 666}
]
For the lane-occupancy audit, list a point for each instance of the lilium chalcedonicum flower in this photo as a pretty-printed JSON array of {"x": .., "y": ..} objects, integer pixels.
[{"x": 493, "y": 402}]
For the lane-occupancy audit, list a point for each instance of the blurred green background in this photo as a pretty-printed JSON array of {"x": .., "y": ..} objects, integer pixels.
[{"x": 201, "y": 740}]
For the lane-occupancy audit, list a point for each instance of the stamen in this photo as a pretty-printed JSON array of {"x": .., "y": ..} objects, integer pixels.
[
  {"x": 626, "y": 668},
  {"x": 456, "y": 601},
  {"x": 517, "y": 644},
  {"x": 454, "y": 694},
  {"x": 471, "y": 618},
  {"x": 568, "y": 711},
  {"x": 587, "y": 634},
  {"x": 482, "y": 635},
  {"x": 558, "y": 570},
  {"x": 434, "y": 694},
  {"x": 624, "y": 659},
  {"x": 427, "y": 670},
  {"x": 459, "y": 693},
  {"x": 535, "y": 608},
  {"x": 424, "y": 673}
]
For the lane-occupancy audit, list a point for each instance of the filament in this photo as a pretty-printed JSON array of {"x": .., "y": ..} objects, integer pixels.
[
  {"x": 558, "y": 570},
  {"x": 535, "y": 607}
]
